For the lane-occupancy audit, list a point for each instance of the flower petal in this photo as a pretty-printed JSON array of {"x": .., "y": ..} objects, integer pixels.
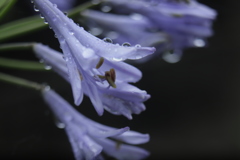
[
  {"x": 122, "y": 151},
  {"x": 65, "y": 27}
]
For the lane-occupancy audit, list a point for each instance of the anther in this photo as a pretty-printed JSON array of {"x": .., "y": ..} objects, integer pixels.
[
  {"x": 100, "y": 62},
  {"x": 111, "y": 77}
]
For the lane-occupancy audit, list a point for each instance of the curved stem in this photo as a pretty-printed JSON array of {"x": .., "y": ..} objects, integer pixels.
[{"x": 20, "y": 81}]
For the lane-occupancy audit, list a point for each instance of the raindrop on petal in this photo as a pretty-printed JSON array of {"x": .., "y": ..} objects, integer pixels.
[
  {"x": 199, "y": 42},
  {"x": 108, "y": 40},
  {"x": 136, "y": 16},
  {"x": 47, "y": 67},
  {"x": 126, "y": 44},
  {"x": 106, "y": 8},
  {"x": 138, "y": 45},
  {"x": 172, "y": 56},
  {"x": 35, "y": 8}
]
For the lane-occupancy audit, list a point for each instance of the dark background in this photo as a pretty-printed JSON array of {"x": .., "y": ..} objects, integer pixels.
[{"x": 193, "y": 112}]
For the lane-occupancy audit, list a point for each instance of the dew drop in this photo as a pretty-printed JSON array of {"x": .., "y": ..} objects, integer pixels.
[
  {"x": 59, "y": 124},
  {"x": 199, "y": 42},
  {"x": 31, "y": 1},
  {"x": 172, "y": 56},
  {"x": 45, "y": 21},
  {"x": 65, "y": 13},
  {"x": 71, "y": 33},
  {"x": 41, "y": 16},
  {"x": 112, "y": 35},
  {"x": 108, "y": 40},
  {"x": 126, "y": 44},
  {"x": 138, "y": 46},
  {"x": 35, "y": 8},
  {"x": 95, "y": 1},
  {"x": 55, "y": 36},
  {"x": 47, "y": 67},
  {"x": 106, "y": 8},
  {"x": 96, "y": 31},
  {"x": 136, "y": 16}
]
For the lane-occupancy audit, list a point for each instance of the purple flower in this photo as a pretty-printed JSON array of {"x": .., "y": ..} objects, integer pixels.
[
  {"x": 125, "y": 99},
  {"x": 64, "y": 5},
  {"x": 92, "y": 63},
  {"x": 181, "y": 23},
  {"x": 172, "y": 15},
  {"x": 88, "y": 138},
  {"x": 134, "y": 29}
]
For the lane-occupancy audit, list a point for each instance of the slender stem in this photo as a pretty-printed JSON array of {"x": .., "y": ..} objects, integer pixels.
[
  {"x": 30, "y": 24},
  {"x": 5, "y": 6},
  {"x": 16, "y": 46},
  {"x": 20, "y": 81},
  {"x": 21, "y": 64}
]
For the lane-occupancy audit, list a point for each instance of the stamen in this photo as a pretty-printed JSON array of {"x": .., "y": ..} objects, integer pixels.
[
  {"x": 111, "y": 77},
  {"x": 100, "y": 62}
]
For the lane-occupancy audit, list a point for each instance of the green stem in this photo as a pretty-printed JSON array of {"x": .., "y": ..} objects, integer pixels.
[
  {"x": 16, "y": 46},
  {"x": 30, "y": 24},
  {"x": 21, "y": 82},
  {"x": 5, "y": 5},
  {"x": 21, "y": 64}
]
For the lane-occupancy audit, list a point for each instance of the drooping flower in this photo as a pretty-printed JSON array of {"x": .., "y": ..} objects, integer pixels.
[
  {"x": 124, "y": 29},
  {"x": 84, "y": 55},
  {"x": 88, "y": 138},
  {"x": 125, "y": 99},
  {"x": 183, "y": 23}
]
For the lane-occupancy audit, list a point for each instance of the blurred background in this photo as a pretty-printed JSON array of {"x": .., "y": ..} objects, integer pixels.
[{"x": 193, "y": 112}]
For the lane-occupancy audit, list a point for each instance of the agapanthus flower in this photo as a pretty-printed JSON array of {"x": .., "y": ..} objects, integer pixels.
[
  {"x": 125, "y": 99},
  {"x": 183, "y": 23},
  {"x": 89, "y": 138},
  {"x": 93, "y": 66},
  {"x": 124, "y": 29}
]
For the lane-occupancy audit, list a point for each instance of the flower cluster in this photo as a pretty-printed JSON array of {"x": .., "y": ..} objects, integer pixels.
[
  {"x": 94, "y": 68},
  {"x": 170, "y": 25},
  {"x": 88, "y": 138}
]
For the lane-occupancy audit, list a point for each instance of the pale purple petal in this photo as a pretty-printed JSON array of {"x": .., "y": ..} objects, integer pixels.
[
  {"x": 122, "y": 151},
  {"x": 73, "y": 34}
]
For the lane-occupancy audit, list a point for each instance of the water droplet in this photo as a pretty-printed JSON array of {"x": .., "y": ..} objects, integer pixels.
[
  {"x": 59, "y": 124},
  {"x": 50, "y": 27},
  {"x": 55, "y": 36},
  {"x": 106, "y": 8},
  {"x": 31, "y": 1},
  {"x": 71, "y": 33},
  {"x": 96, "y": 31},
  {"x": 47, "y": 67},
  {"x": 199, "y": 42},
  {"x": 126, "y": 44},
  {"x": 136, "y": 16},
  {"x": 95, "y": 1},
  {"x": 41, "y": 16},
  {"x": 112, "y": 35},
  {"x": 138, "y": 45},
  {"x": 65, "y": 13},
  {"x": 172, "y": 56},
  {"x": 108, "y": 40},
  {"x": 45, "y": 21},
  {"x": 117, "y": 59},
  {"x": 35, "y": 8}
]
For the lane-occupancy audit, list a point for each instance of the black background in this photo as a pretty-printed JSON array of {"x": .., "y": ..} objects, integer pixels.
[{"x": 193, "y": 112}]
